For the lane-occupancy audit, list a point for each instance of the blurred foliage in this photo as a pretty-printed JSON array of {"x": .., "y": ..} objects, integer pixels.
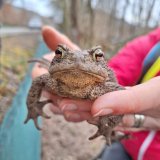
[
  {"x": 13, "y": 66},
  {"x": 15, "y": 60}
]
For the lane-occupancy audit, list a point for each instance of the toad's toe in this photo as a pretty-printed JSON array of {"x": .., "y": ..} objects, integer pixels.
[{"x": 35, "y": 110}]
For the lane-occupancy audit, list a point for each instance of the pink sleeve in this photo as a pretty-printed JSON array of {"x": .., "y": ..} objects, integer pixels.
[{"x": 127, "y": 63}]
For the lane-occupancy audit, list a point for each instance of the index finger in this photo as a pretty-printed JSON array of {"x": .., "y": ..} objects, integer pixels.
[{"x": 73, "y": 104}]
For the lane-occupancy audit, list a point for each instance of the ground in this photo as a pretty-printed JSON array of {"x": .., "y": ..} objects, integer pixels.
[
  {"x": 60, "y": 140},
  {"x": 69, "y": 141}
]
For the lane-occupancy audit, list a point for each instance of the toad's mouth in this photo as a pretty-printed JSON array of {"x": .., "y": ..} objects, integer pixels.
[
  {"x": 78, "y": 74},
  {"x": 77, "y": 78}
]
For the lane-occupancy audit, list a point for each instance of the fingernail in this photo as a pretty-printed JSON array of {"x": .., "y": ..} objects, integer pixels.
[
  {"x": 103, "y": 112},
  {"x": 70, "y": 107},
  {"x": 58, "y": 101},
  {"x": 55, "y": 109},
  {"x": 73, "y": 116}
]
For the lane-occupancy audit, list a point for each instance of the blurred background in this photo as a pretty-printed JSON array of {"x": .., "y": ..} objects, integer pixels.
[{"x": 109, "y": 23}]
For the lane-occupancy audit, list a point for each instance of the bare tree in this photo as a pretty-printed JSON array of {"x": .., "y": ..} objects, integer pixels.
[
  {"x": 91, "y": 13},
  {"x": 124, "y": 11},
  {"x": 74, "y": 20},
  {"x": 151, "y": 4},
  {"x": 106, "y": 21}
]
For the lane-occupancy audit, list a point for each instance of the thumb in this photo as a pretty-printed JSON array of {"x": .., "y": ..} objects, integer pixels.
[
  {"x": 117, "y": 102},
  {"x": 141, "y": 98},
  {"x": 52, "y": 38}
]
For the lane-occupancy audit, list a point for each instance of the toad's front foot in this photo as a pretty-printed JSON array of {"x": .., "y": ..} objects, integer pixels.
[{"x": 35, "y": 109}]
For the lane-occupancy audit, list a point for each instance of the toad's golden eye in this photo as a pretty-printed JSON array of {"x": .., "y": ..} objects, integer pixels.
[
  {"x": 59, "y": 53},
  {"x": 98, "y": 56}
]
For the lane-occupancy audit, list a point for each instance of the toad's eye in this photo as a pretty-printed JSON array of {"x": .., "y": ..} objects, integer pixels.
[
  {"x": 98, "y": 56},
  {"x": 59, "y": 53}
]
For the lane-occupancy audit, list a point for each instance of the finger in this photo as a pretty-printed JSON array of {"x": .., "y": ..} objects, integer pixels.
[
  {"x": 128, "y": 120},
  {"x": 66, "y": 104},
  {"x": 148, "y": 124},
  {"x": 78, "y": 105},
  {"x": 128, "y": 87},
  {"x": 77, "y": 116},
  {"x": 37, "y": 71},
  {"x": 49, "y": 56},
  {"x": 55, "y": 98},
  {"x": 117, "y": 102},
  {"x": 52, "y": 38},
  {"x": 128, "y": 129},
  {"x": 151, "y": 123},
  {"x": 46, "y": 94},
  {"x": 55, "y": 109},
  {"x": 131, "y": 100}
]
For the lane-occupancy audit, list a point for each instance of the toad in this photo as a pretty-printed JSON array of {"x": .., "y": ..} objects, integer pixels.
[{"x": 75, "y": 74}]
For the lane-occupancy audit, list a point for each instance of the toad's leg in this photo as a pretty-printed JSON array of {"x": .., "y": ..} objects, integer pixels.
[
  {"x": 35, "y": 107},
  {"x": 45, "y": 63},
  {"x": 106, "y": 123}
]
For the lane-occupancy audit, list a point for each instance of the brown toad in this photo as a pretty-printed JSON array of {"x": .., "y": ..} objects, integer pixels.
[{"x": 75, "y": 74}]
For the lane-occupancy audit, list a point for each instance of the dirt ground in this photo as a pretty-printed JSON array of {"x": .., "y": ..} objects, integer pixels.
[{"x": 62, "y": 140}]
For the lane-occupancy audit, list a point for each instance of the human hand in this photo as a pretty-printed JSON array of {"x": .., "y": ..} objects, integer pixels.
[
  {"x": 140, "y": 99},
  {"x": 72, "y": 110},
  {"x": 128, "y": 124}
]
